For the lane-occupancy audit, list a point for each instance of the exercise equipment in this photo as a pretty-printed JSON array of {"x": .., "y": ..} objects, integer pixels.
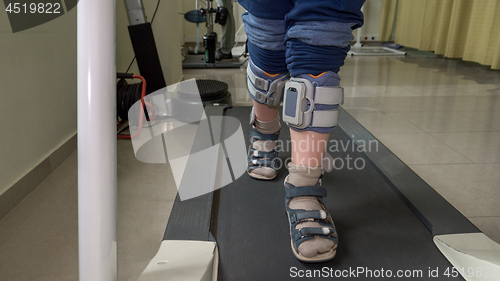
[
  {"x": 359, "y": 50},
  {"x": 207, "y": 60},
  {"x": 386, "y": 216},
  {"x": 197, "y": 17},
  {"x": 144, "y": 45}
]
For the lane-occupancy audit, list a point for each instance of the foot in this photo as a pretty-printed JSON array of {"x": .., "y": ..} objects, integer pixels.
[
  {"x": 262, "y": 155},
  {"x": 312, "y": 232},
  {"x": 220, "y": 55}
]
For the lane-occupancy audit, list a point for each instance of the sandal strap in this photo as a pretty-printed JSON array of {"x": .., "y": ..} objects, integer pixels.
[
  {"x": 257, "y": 163},
  {"x": 306, "y": 231},
  {"x": 298, "y": 215},
  {"x": 254, "y": 153},
  {"x": 256, "y": 135},
  {"x": 257, "y": 158},
  {"x": 296, "y": 191}
]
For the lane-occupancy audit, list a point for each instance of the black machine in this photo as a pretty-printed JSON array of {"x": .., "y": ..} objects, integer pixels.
[
  {"x": 148, "y": 60},
  {"x": 207, "y": 60}
]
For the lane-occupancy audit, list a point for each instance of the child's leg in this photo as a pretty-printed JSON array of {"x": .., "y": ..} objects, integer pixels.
[
  {"x": 317, "y": 40},
  {"x": 267, "y": 74}
]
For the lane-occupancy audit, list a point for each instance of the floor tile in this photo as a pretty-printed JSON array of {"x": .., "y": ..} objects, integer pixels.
[
  {"x": 468, "y": 187},
  {"x": 486, "y": 117},
  {"x": 489, "y": 226},
  {"x": 386, "y": 91},
  {"x": 494, "y": 169},
  {"x": 52, "y": 190},
  {"x": 131, "y": 271},
  {"x": 403, "y": 104},
  {"x": 482, "y": 89},
  {"x": 364, "y": 104},
  {"x": 385, "y": 122},
  {"x": 144, "y": 213},
  {"x": 437, "y": 90},
  {"x": 421, "y": 148},
  {"x": 480, "y": 147},
  {"x": 464, "y": 103},
  {"x": 51, "y": 252},
  {"x": 445, "y": 121},
  {"x": 354, "y": 92},
  {"x": 10, "y": 242},
  {"x": 138, "y": 244}
]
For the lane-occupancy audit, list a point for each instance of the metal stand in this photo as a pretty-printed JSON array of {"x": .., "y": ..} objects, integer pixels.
[
  {"x": 359, "y": 50},
  {"x": 207, "y": 60}
]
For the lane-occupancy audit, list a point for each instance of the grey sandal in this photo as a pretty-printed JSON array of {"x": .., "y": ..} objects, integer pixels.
[{"x": 296, "y": 216}]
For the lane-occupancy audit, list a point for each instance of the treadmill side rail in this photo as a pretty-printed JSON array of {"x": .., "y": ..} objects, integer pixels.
[
  {"x": 474, "y": 255},
  {"x": 183, "y": 260}
]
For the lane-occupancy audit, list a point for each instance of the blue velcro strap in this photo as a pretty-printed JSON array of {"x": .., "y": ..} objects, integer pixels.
[
  {"x": 306, "y": 231},
  {"x": 257, "y": 163},
  {"x": 257, "y": 158},
  {"x": 296, "y": 191},
  {"x": 265, "y": 137},
  {"x": 254, "y": 153},
  {"x": 299, "y": 215}
]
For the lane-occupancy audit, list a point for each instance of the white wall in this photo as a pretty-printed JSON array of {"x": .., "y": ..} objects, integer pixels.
[
  {"x": 38, "y": 93},
  {"x": 38, "y": 82},
  {"x": 372, "y": 11}
]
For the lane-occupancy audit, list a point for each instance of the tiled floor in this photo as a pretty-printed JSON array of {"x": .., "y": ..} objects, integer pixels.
[
  {"x": 440, "y": 116},
  {"x": 39, "y": 238}
]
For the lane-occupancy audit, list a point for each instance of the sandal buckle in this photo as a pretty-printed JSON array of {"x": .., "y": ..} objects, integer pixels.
[
  {"x": 322, "y": 214},
  {"x": 326, "y": 230}
]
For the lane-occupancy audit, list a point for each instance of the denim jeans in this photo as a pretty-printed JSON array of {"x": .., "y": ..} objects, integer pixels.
[{"x": 300, "y": 36}]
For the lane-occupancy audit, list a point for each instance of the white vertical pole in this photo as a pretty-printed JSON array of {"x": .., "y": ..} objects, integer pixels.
[
  {"x": 97, "y": 140},
  {"x": 358, "y": 34}
]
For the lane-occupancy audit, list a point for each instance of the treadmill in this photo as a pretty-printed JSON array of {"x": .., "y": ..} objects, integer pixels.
[{"x": 391, "y": 224}]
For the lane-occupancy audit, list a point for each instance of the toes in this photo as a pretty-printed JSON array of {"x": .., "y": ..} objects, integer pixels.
[
  {"x": 315, "y": 246},
  {"x": 265, "y": 171}
]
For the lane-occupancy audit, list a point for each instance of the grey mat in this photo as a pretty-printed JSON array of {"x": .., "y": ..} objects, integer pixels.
[{"x": 376, "y": 229}]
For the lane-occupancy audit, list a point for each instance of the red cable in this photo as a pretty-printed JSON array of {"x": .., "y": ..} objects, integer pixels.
[
  {"x": 152, "y": 111},
  {"x": 141, "y": 114}
]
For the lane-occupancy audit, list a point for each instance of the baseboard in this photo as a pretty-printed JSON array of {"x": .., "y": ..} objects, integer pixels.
[{"x": 18, "y": 191}]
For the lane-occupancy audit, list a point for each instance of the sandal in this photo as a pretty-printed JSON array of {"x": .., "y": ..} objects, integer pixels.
[
  {"x": 296, "y": 216},
  {"x": 259, "y": 159}
]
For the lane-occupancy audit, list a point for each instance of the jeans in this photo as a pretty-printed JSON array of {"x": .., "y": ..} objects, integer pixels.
[{"x": 300, "y": 36}]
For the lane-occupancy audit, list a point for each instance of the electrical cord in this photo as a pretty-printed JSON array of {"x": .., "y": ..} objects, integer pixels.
[
  {"x": 143, "y": 105},
  {"x": 126, "y": 96},
  {"x": 152, "y": 19}
]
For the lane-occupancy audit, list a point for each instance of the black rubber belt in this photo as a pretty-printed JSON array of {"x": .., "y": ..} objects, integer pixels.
[{"x": 375, "y": 218}]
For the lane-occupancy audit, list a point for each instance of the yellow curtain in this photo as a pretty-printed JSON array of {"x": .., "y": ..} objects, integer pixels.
[
  {"x": 467, "y": 29},
  {"x": 387, "y": 20}
]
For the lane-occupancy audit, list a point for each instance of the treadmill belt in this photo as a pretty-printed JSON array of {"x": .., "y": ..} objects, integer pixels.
[{"x": 377, "y": 231}]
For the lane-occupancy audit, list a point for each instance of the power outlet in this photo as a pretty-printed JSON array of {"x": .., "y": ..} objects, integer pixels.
[{"x": 367, "y": 38}]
